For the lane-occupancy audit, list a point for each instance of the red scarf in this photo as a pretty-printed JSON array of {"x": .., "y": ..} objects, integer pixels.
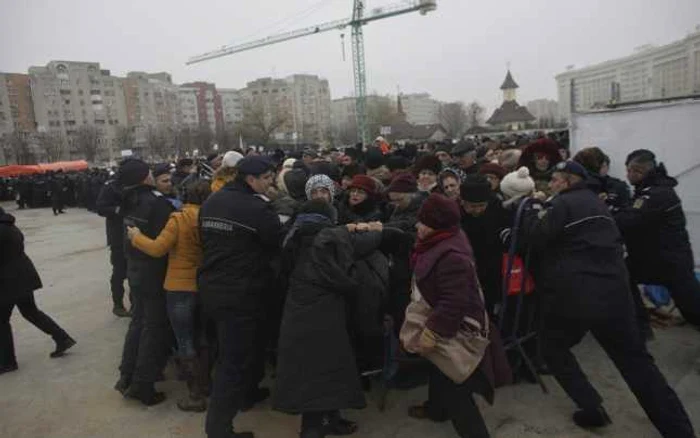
[{"x": 424, "y": 245}]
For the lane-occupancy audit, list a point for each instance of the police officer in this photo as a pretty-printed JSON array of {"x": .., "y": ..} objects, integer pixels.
[
  {"x": 109, "y": 206},
  {"x": 240, "y": 233},
  {"x": 145, "y": 344},
  {"x": 654, "y": 228},
  {"x": 581, "y": 273}
]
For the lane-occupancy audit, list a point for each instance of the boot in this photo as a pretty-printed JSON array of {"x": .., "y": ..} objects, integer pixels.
[
  {"x": 258, "y": 395},
  {"x": 145, "y": 393},
  {"x": 120, "y": 311},
  {"x": 62, "y": 345},
  {"x": 204, "y": 367},
  {"x": 8, "y": 368},
  {"x": 334, "y": 424},
  {"x": 592, "y": 418},
  {"x": 123, "y": 384},
  {"x": 194, "y": 401}
]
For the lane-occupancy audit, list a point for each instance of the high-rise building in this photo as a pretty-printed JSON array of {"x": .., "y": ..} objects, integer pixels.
[
  {"x": 16, "y": 108},
  {"x": 420, "y": 109},
  {"x": 650, "y": 73},
  {"x": 232, "y": 105},
  {"x": 68, "y": 96},
  {"x": 298, "y": 107},
  {"x": 209, "y": 110},
  {"x": 187, "y": 113}
]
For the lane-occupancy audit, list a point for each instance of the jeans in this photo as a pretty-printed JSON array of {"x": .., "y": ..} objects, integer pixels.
[
  {"x": 236, "y": 336},
  {"x": 30, "y": 312},
  {"x": 621, "y": 341},
  {"x": 181, "y": 311},
  {"x": 146, "y": 342}
]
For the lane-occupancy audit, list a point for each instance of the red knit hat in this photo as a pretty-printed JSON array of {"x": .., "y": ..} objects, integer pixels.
[
  {"x": 403, "y": 183},
  {"x": 439, "y": 212},
  {"x": 493, "y": 169},
  {"x": 364, "y": 182}
]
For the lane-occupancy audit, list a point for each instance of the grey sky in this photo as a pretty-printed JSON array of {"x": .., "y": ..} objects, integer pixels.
[{"x": 459, "y": 52}]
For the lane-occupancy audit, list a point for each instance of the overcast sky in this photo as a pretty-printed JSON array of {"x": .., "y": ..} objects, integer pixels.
[{"x": 459, "y": 52}]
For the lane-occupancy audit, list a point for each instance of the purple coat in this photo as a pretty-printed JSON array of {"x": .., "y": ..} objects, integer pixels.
[{"x": 446, "y": 278}]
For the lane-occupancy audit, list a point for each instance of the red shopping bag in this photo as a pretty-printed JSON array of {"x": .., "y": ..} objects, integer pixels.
[{"x": 516, "y": 276}]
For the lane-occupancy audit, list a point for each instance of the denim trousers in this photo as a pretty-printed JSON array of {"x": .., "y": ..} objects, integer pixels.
[{"x": 181, "y": 312}]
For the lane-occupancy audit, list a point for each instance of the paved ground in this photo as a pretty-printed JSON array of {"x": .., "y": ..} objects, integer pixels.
[{"x": 72, "y": 397}]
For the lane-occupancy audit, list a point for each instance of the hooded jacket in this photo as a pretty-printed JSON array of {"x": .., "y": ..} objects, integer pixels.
[
  {"x": 18, "y": 276},
  {"x": 654, "y": 228},
  {"x": 180, "y": 240}
]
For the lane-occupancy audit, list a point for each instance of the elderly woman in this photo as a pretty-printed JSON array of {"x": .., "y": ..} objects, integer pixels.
[
  {"x": 449, "y": 182},
  {"x": 445, "y": 277},
  {"x": 360, "y": 202}
]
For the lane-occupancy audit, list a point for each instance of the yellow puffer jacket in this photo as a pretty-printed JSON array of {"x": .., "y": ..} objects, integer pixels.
[
  {"x": 222, "y": 176},
  {"x": 179, "y": 238}
]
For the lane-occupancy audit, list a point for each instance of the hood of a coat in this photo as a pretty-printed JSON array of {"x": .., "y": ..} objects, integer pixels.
[
  {"x": 659, "y": 178},
  {"x": 458, "y": 243}
]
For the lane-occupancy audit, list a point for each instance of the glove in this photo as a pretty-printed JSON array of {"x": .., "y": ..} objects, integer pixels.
[{"x": 428, "y": 340}]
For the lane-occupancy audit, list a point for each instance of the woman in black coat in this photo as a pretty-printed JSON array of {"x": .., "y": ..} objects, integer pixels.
[
  {"x": 18, "y": 281},
  {"x": 317, "y": 375}
]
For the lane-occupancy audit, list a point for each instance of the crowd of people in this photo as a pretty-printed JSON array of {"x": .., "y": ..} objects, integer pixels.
[{"x": 315, "y": 265}]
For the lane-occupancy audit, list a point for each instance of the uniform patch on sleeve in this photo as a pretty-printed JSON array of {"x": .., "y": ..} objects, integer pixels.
[
  {"x": 541, "y": 214},
  {"x": 638, "y": 203}
]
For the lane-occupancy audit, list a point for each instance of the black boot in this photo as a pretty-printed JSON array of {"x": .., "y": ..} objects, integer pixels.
[
  {"x": 195, "y": 400},
  {"x": 8, "y": 368},
  {"x": 592, "y": 418},
  {"x": 120, "y": 311},
  {"x": 258, "y": 395},
  {"x": 122, "y": 384},
  {"x": 145, "y": 393},
  {"x": 62, "y": 345},
  {"x": 334, "y": 424}
]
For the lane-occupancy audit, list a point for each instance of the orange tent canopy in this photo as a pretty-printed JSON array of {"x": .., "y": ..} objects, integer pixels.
[{"x": 65, "y": 166}]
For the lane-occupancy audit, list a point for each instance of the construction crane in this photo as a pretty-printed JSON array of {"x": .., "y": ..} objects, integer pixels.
[{"x": 358, "y": 19}]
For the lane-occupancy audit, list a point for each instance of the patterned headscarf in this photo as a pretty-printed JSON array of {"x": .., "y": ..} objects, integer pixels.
[{"x": 320, "y": 181}]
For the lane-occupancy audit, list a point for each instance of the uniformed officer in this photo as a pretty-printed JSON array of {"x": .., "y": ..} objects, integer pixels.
[
  {"x": 581, "y": 273},
  {"x": 109, "y": 206},
  {"x": 654, "y": 229}
]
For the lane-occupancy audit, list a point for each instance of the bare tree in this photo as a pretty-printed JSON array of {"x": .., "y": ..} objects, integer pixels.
[
  {"x": 259, "y": 124},
  {"x": 381, "y": 112},
  {"x": 475, "y": 114},
  {"x": 156, "y": 142},
  {"x": 124, "y": 138},
  {"x": 16, "y": 145},
  {"x": 453, "y": 117},
  {"x": 204, "y": 140},
  {"x": 87, "y": 141},
  {"x": 182, "y": 140},
  {"x": 53, "y": 144}
]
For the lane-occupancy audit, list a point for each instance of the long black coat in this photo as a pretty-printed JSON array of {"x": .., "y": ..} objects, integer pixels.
[
  {"x": 17, "y": 273},
  {"x": 316, "y": 368}
]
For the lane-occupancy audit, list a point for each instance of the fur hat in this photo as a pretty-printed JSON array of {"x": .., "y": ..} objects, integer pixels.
[
  {"x": 320, "y": 181},
  {"x": 364, "y": 182},
  {"x": 518, "y": 183},
  {"x": 403, "y": 183},
  {"x": 428, "y": 162},
  {"x": 231, "y": 159},
  {"x": 439, "y": 212},
  {"x": 492, "y": 169},
  {"x": 476, "y": 188}
]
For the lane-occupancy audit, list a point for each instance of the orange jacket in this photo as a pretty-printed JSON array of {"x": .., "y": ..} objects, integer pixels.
[{"x": 179, "y": 238}]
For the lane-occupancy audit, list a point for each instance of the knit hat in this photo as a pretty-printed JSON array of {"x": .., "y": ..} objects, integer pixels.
[
  {"x": 492, "y": 169},
  {"x": 403, "y": 183},
  {"x": 439, "y": 212},
  {"x": 254, "y": 165},
  {"x": 231, "y": 159},
  {"x": 428, "y": 162},
  {"x": 161, "y": 169},
  {"x": 295, "y": 181},
  {"x": 476, "y": 188},
  {"x": 517, "y": 183},
  {"x": 397, "y": 162},
  {"x": 132, "y": 172},
  {"x": 320, "y": 181},
  {"x": 364, "y": 182}
]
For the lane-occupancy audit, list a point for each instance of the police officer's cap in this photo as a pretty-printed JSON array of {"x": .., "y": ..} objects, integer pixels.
[
  {"x": 572, "y": 168},
  {"x": 255, "y": 165}
]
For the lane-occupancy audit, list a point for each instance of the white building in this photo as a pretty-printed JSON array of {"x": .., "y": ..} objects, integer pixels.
[
  {"x": 650, "y": 73},
  {"x": 232, "y": 105},
  {"x": 544, "y": 109},
  {"x": 187, "y": 113},
  {"x": 420, "y": 109},
  {"x": 68, "y": 95}
]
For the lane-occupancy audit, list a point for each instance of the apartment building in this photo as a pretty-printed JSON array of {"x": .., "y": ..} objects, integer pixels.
[
  {"x": 232, "y": 106},
  {"x": 208, "y": 104},
  {"x": 420, "y": 109}
]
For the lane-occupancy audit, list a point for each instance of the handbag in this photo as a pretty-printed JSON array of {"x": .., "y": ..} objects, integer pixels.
[
  {"x": 515, "y": 280},
  {"x": 456, "y": 357}
]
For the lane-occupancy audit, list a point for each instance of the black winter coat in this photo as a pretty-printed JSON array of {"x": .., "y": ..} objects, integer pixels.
[
  {"x": 109, "y": 203},
  {"x": 367, "y": 211},
  {"x": 148, "y": 210},
  {"x": 240, "y": 234},
  {"x": 18, "y": 275},
  {"x": 654, "y": 228},
  {"x": 316, "y": 368},
  {"x": 580, "y": 267},
  {"x": 484, "y": 236}
]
